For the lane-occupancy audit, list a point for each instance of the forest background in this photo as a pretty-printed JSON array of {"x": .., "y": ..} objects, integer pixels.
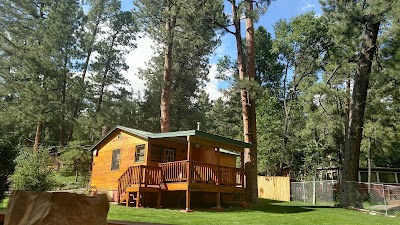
[{"x": 63, "y": 77}]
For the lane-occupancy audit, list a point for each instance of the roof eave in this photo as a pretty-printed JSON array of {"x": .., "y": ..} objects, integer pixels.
[{"x": 111, "y": 131}]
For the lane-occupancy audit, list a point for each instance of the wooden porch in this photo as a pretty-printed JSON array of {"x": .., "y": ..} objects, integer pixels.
[{"x": 189, "y": 176}]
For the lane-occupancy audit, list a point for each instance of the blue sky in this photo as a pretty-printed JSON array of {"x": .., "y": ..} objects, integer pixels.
[{"x": 279, "y": 9}]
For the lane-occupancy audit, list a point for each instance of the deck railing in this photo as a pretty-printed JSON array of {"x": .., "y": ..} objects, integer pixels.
[
  {"x": 214, "y": 174},
  {"x": 178, "y": 171},
  {"x": 139, "y": 175},
  {"x": 174, "y": 171}
]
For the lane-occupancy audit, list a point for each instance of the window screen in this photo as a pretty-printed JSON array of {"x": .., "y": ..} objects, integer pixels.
[
  {"x": 169, "y": 155},
  {"x": 387, "y": 177},
  {"x": 364, "y": 177},
  {"x": 116, "y": 158},
  {"x": 139, "y": 153}
]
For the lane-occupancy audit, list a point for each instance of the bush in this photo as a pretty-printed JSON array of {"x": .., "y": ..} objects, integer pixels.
[
  {"x": 33, "y": 172},
  {"x": 76, "y": 160}
]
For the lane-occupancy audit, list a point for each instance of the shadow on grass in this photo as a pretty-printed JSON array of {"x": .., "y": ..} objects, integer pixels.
[{"x": 268, "y": 206}]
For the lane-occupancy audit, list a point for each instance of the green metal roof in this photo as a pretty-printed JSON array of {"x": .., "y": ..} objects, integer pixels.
[{"x": 147, "y": 135}]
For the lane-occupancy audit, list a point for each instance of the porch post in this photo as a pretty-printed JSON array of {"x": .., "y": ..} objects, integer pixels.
[
  {"x": 189, "y": 158},
  {"x": 189, "y": 170},
  {"x": 242, "y": 169},
  {"x": 187, "y": 200},
  {"x": 158, "y": 199},
  {"x": 128, "y": 198},
  {"x": 218, "y": 167},
  {"x": 218, "y": 199},
  {"x": 138, "y": 199}
]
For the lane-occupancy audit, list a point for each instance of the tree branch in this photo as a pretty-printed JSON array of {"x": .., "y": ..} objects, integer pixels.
[{"x": 328, "y": 82}]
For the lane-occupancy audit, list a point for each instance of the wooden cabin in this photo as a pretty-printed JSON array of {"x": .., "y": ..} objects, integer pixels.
[{"x": 153, "y": 169}]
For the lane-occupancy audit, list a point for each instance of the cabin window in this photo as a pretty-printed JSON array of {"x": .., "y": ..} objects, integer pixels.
[
  {"x": 364, "y": 177},
  {"x": 169, "y": 155},
  {"x": 157, "y": 153},
  {"x": 116, "y": 159},
  {"x": 139, "y": 153},
  {"x": 387, "y": 177}
]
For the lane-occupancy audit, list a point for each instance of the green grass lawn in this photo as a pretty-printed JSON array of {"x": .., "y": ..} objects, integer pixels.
[{"x": 268, "y": 212}]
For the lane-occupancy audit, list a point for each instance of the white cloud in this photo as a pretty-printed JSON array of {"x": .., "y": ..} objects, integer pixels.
[
  {"x": 212, "y": 86},
  {"x": 309, "y": 6},
  {"x": 137, "y": 59}
]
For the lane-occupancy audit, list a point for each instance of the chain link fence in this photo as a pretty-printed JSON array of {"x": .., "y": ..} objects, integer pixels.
[
  {"x": 313, "y": 192},
  {"x": 377, "y": 198},
  {"x": 380, "y": 198}
]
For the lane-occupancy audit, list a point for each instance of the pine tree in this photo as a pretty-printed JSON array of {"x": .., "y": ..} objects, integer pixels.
[{"x": 172, "y": 24}]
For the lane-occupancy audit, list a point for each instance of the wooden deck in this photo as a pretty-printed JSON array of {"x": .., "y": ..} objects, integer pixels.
[{"x": 183, "y": 175}]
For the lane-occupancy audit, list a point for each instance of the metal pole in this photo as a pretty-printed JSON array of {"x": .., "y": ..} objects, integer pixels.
[
  {"x": 313, "y": 196},
  {"x": 304, "y": 192},
  {"x": 369, "y": 166},
  {"x": 384, "y": 199}
]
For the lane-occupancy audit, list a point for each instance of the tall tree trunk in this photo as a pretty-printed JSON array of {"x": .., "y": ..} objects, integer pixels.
[
  {"x": 286, "y": 111},
  {"x": 349, "y": 195},
  {"x": 166, "y": 88},
  {"x": 37, "y": 136},
  {"x": 63, "y": 104},
  {"x": 250, "y": 155},
  {"x": 244, "y": 100}
]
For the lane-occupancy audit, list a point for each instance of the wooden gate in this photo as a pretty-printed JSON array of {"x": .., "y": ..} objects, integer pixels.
[{"x": 275, "y": 188}]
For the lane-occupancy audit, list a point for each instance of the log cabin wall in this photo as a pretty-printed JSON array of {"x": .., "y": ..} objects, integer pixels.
[
  {"x": 105, "y": 180},
  {"x": 209, "y": 155},
  {"x": 180, "y": 150},
  {"x": 102, "y": 178},
  {"x": 200, "y": 153}
]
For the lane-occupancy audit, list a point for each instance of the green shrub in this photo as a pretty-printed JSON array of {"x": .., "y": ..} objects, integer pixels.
[
  {"x": 76, "y": 160},
  {"x": 33, "y": 172}
]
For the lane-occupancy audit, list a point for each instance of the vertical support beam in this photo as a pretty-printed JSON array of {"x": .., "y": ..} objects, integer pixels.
[
  {"x": 218, "y": 199},
  {"x": 187, "y": 200},
  {"x": 189, "y": 170},
  {"x": 158, "y": 199},
  {"x": 147, "y": 153},
  {"x": 218, "y": 167},
  {"x": 189, "y": 158},
  {"x": 140, "y": 175},
  {"x": 138, "y": 199},
  {"x": 242, "y": 169},
  {"x": 128, "y": 199}
]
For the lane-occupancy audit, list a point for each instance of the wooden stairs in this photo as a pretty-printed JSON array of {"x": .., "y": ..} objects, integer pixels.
[{"x": 137, "y": 180}]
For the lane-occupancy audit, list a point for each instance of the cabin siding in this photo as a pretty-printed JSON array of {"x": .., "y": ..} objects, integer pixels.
[
  {"x": 207, "y": 188},
  {"x": 180, "y": 150},
  {"x": 102, "y": 178},
  {"x": 209, "y": 155}
]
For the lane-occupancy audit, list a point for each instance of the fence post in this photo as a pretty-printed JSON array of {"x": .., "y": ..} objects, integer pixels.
[
  {"x": 313, "y": 196},
  {"x": 384, "y": 199},
  {"x": 304, "y": 192}
]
